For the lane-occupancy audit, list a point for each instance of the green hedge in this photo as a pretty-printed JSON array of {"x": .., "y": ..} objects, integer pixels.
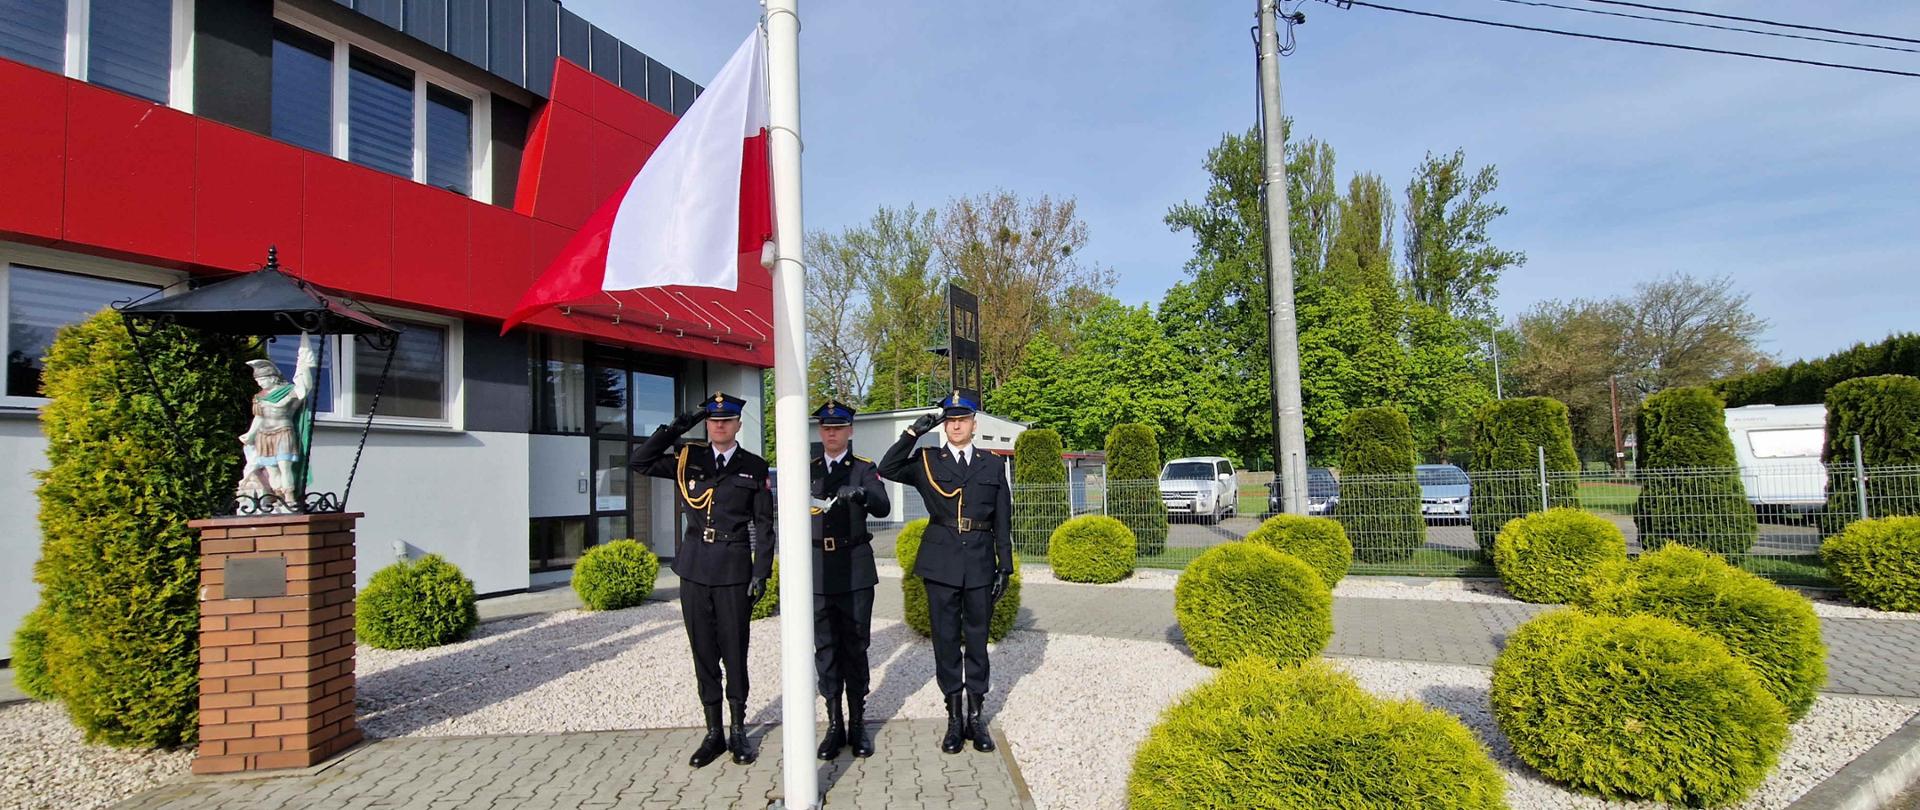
[
  {"x": 415, "y": 604},
  {"x": 1042, "y": 503},
  {"x": 913, "y": 589},
  {"x": 1507, "y": 437},
  {"x": 29, "y": 654},
  {"x": 1133, "y": 491},
  {"x": 1307, "y": 738},
  {"x": 1244, "y": 599},
  {"x": 1092, "y": 548},
  {"x": 119, "y": 571},
  {"x": 1639, "y": 707},
  {"x": 1884, "y": 412},
  {"x": 1690, "y": 490},
  {"x": 769, "y": 602},
  {"x": 1319, "y": 542},
  {"x": 1772, "y": 629},
  {"x": 1379, "y": 498},
  {"x": 1546, "y": 557},
  {"x": 1877, "y": 562},
  {"x": 615, "y": 575},
  {"x": 1806, "y": 382}
]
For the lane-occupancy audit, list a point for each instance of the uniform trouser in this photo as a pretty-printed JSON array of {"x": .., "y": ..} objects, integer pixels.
[
  {"x": 842, "y": 627},
  {"x": 959, "y": 614},
  {"x": 716, "y": 618}
]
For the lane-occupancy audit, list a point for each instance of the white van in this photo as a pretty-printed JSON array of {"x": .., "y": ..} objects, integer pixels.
[
  {"x": 1778, "y": 447},
  {"x": 1203, "y": 487}
]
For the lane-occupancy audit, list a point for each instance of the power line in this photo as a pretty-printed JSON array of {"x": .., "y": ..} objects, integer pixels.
[
  {"x": 1756, "y": 20},
  {"x": 1650, "y": 43},
  {"x": 1693, "y": 24}
]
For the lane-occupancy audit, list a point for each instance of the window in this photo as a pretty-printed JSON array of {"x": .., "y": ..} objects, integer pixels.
[
  {"x": 284, "y": 351},
  {"x": 35, "y": 33},
  {"x": 380, "y": 115},
  {"x": 559, "y": 385},
  {"x": 129, "y": 47},
  {"x": 1788, "y": 443},
  {"x": 449, "y": 140},
  {"x": 416, "y": 387},
  {"x": 39, "y": 302},
  {"x": 138, "y": 47},
  {"x": 302, "y": 89},
  {"x": 556, "y": 543}
]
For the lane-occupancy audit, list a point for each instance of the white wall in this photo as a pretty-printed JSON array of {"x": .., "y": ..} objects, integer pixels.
[
  {"x": 558, "y": 471},
  {"x": 22, "y": 450}
]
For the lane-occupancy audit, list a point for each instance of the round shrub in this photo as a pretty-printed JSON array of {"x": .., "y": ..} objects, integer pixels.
[
  {"x": 415, "y": 604},
  {"x": 1380, "y": 500},
  {"x": 1635, "y": 707},
  {"x": 1772, "y": 629},
  {"x": 1241, "y": 599},
  {"x": 30, "y": 657},
  {"x": 1508, "y": 436},
  {"x": 1043, "y": 501},
  {"x": 1133, "y": 485},
  {"x": 769, "y": 602},
  {"x": 1317, "y": 541},
  {"x": 615, "y": 575},
  {"x": 913, "y": 589},
  {"x": 1545, "y": 557},
  {"x": 1091, "y": 548},
  {"x": 1308, "y": 737},
  {"x": 1877, "y": 562},
  {"x": 1690, "y": 488}
]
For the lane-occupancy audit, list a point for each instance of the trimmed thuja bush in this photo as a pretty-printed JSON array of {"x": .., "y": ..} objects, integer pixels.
[
  {"x": 1690, "y": 490},
  {"x": 769, "y": 602},
  {"x": 1091, "y": 548},
  {"x": 1877, "y": 562},
  {"x": 913, "y": 589},
  {"x": 1319, "y": 542},
  {"x": 1307, "y": 737},
  {"x": 1772, "y": 629},
  {"x": 30, "y": 657},
  {"x": 1379, "y": 498},
  {"x": 615, "y": 575},
  {"x": 1041, "y": 502},
  {"x": 1508, "y": 436},
  {"x": 415, "y": 604},
  {"x": 1242, "y": 599},
  {"x": 119, "y": 570},
  {"x": 1884, "y": 412},
  {"x": 1133, "y": 485},
  {"x": 1546, "y": 557},
  {"x": 1636, "y": 707}
]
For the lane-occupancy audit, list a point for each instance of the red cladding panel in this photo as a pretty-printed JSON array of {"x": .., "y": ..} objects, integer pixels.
[
  {"x": 627, "y": 112},
  {"x": 248, "y": 196},
  {"x": 430, "y": 230},
  {"x": 500, "y": 260},
  {"x": 548, "y": 240},
  {"x": 616, "y": 159},
  {"x": 33, "y": 148},
  {"x": 130, "y": 169},
  {"x": 563, "y": 189},
  {"x": 572, "y": 85},
  {"x": 349, "y": 227}
]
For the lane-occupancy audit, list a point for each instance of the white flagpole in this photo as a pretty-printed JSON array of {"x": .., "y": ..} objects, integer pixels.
[{"x": 790, "y": 408}]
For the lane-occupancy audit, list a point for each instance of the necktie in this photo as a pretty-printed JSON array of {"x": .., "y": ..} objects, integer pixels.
[
  {"x": 960, "y": 457},
  {"x": 829, "y": 466}
]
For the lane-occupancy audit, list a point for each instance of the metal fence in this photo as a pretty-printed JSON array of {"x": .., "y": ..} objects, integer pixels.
[{"x": 1767, "y": 519}]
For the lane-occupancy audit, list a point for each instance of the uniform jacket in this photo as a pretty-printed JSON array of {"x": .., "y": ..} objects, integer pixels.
[
  {"x": 948, "y": 556},
  {"x": 740, "y": 513},
  {"x": 849, "y": 567}
]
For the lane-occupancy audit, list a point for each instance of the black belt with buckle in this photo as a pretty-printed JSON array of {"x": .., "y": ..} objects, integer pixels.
[
  {"x": 712, "y": 535},
  {"x": 841, "y": 544},
  {"x": 961, "y": 525}
]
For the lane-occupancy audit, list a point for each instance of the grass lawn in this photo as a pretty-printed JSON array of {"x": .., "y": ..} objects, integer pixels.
[
  {"x": 1429, "y": 562},
  {"x": 1607, "y": 496},
  {"x": 1797, "y": 569}
]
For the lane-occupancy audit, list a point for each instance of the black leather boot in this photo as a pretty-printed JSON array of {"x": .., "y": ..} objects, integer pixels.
[
  {"x": 836, "y": 738},
  {"x": 977, "y": 728},
  {"x": 857, "y": 738},
  {"x": 956, "y": 724},
  {"x": 737, "y": 739},
  {"x": 716, "y": 741}
]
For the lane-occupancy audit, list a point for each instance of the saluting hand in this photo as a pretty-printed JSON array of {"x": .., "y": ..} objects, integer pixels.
[
  {"x": 685, "y": 422},
  {"x": 925, "y": 423}
]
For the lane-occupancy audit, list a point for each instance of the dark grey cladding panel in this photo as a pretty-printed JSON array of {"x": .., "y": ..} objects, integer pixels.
[
  {"x": 633, "y": 70},
  {"x": 543, "y": 44},
  {"x": 426, "y": 20},
  {"x": 606, "y": 55},
  {"x": 507, "y": 40},
  {"x": 659, "y": 84},
  {"x": 575, "y": 39},
  {"x": 386, "y": 11},
  {"x": 684, "y": 91},
  {"x": 467, "y": 30},
  {"x": 496, "y": 386}
]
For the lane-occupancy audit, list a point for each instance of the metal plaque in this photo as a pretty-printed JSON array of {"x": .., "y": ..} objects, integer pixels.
[
  {"x": 963, "y": 341},
  {"x": 256, "y": 577}
]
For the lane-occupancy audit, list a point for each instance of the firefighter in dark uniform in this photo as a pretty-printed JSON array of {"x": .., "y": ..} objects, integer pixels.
[
  {"x": 725, "y": 558},
  {"x": 843, "y": 577},
  {"x": 966, "y": 555}
]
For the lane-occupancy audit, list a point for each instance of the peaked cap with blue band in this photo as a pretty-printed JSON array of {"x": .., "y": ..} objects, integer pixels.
[
  {"x": 834, "y": 414},
  {"x": 723, "y": 406},
  {"x": 957, "y": 406}
]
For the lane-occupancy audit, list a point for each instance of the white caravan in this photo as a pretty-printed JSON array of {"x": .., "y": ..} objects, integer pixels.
[{"x": 1778, "y": 447}]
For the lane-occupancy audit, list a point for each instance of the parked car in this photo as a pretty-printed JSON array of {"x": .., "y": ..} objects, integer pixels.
[
  {"x": 1323, "y": 493},
  {"x": 1445, "y": 492},
  {"x": 1203, "y": 487}
]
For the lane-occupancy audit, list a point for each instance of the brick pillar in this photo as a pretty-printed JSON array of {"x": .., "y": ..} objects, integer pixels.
[{"x": 276, "y": 646}]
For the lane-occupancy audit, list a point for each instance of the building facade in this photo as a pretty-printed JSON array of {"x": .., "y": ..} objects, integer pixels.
[{"x": 426, "y": 157}]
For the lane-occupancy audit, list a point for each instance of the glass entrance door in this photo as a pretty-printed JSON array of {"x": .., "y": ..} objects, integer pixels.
[{"x": 631, "y": 398}]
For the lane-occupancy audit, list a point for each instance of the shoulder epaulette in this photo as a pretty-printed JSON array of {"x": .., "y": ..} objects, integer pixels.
[
  {"x": 863, "y": 458},
  {"x": 693, "y": 443}
]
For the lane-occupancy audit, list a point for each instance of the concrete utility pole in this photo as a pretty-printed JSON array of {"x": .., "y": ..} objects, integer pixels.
[
  {"x": 1290, "y": 436},
  {"x": 1619, "y": 445}
]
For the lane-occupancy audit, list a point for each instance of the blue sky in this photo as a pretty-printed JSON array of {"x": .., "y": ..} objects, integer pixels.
[{"x": 1619, "y": 163}]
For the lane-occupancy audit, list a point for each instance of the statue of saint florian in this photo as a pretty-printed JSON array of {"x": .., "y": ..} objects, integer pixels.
[{"x": 281, "y": 428}]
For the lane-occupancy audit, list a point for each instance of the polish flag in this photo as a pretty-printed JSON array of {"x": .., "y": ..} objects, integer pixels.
[{"x": 702, "y": 199}]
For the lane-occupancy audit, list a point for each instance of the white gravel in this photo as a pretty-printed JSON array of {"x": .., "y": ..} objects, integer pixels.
[{"x": 45, "y": 765}]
